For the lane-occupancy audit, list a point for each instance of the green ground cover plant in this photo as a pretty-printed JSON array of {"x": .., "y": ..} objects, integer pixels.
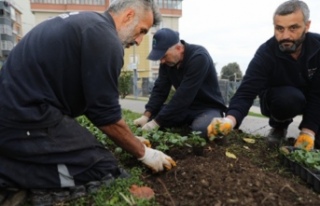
[
  {"x": 310, "y": 159},
  {"x": 235, "y": 170},
  {"x": 118, "y": 193}
]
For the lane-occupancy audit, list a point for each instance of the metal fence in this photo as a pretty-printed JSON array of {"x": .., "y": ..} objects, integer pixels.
[{"x": 227, "y": 88}]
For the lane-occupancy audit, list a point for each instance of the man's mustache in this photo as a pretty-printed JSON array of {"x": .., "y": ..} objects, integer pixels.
[
  {"x": 128, "y": 45},
  {"x": 286, "y": 41}
]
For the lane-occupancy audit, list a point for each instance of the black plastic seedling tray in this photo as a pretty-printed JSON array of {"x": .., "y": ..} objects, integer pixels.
[{"x": 311, "y": 177}]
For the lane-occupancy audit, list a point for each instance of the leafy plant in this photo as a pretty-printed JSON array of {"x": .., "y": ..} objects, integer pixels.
[
  {"x": 113, "y": 195},
  {"x": 165, "y": 140},
  {"x": 194, "y": 139},
  {"x": 124, "y": 85},
  {"x": 83, "y": 121},
  {"x": 310, "y": 159}
]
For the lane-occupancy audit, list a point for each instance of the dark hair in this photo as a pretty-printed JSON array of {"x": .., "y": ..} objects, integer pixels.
[
  {"x": 291, "y": 6},
  {"x": 147, "y": 5}
]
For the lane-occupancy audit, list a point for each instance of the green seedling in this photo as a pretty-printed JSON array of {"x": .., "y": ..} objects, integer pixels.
[{"x": 310, "y": 159}]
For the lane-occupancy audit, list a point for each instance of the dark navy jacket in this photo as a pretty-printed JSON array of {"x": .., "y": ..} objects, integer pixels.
[
  {"x": 271, "y": 68},
  {"x": 195, "y": 82},
  {"x": 68, "y": 65}
]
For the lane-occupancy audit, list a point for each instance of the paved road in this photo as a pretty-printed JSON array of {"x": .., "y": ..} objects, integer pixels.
[{"x": 250, "y": 124}]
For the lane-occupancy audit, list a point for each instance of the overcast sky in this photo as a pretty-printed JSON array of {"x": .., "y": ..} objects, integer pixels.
[{"x": 232, "y": 30}]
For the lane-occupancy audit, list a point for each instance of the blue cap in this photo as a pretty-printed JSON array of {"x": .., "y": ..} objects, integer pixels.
[{"x": 163, "y": 39}]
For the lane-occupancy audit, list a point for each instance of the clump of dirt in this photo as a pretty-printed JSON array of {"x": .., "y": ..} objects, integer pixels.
[
  {"x": 255, "y": 177},
  {"x": 141, "y": 192}
]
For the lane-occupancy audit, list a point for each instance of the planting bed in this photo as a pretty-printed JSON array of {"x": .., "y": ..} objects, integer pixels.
[{"x": 256, "y": 177}]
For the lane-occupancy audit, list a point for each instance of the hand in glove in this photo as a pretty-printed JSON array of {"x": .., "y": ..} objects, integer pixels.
[
  {"x": 220, "y": 126},
  {"x": 144, "y": 141},
  {"x": 305, "y": 141},
  {"x": 157, "y": 160},
  {"x": 150, "y": 126},
  {"x": 141, "y": 121}
]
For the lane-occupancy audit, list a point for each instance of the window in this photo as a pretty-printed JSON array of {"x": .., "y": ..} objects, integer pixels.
[
  {"x": 134, "y": 59},
  {"x": 155, "y": 63},
  {"x": 6, "y": 45},
  {"x": 169, "y": 4}
]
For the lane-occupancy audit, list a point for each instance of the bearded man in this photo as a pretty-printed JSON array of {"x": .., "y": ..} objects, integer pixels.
[
  {"x": 65, "y": 67},
  {"x": 284, "y": 73}
]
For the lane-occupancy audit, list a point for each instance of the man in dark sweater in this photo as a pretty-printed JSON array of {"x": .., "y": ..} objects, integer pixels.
[
  {"x": 285, "y": 73},
  {"x": 190, "y": 70},
  {"x": 65, "y": 67}
]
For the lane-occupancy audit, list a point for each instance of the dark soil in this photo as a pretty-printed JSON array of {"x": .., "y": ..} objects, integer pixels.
[{"x": 256, "y": 177}]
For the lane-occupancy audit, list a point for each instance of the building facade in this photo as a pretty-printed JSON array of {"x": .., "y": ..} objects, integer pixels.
[
  {"x": 10, "y": 28},
  {"x": 135, "y": 57}
]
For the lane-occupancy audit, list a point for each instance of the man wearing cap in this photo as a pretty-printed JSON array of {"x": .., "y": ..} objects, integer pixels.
[{"x": 190, "y": 70}]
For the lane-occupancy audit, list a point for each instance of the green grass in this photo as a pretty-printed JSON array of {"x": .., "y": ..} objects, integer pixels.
[{"x": 256, "y": 115}]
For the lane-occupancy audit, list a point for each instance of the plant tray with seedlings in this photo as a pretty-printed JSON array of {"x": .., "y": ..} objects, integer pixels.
[{"x": 305, "y": 164}]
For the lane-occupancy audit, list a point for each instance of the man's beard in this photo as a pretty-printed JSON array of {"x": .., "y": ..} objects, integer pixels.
[
  {"x": 295, "y": 44},
  {"x": 126, "y": 34},
  {"x": 174, "y": 62},
  {"x": 171, "y": 64}
]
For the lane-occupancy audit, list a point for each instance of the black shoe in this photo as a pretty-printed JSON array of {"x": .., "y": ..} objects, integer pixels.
[
  {"x": 41, "y": 197},
  {"x": 93, "y": 187},
  {"x": 3, "y": 195},
  {"x": 123, "y": 174},
  {"x": 60, "y": 195},
  {"x": 276, "y": 136},
  {"x": 77, "y": 192},
  {"x": 15, "y": 198},
  {"x": 107, "y": 180}
]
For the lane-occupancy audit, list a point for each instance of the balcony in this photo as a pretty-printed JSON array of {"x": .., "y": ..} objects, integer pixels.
[
  {"x": 82, "y": 2},
  {"x": 69, "y": 5},
  {"x": 170, "y": 7},
  {"x": 167, "y": 7}
]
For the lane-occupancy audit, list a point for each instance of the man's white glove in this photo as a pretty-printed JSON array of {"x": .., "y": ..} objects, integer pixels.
[
  {"x": 143, "y": 141},
  {"x": 157, "y": 160},
  {"x": 141, "y": 121},
  {"x": 150, "y": 126}
]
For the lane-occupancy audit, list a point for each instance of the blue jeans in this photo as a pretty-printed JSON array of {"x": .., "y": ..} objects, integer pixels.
[
  {"x": 196, "y": 120},
  {"x": 203, "y": 119}
]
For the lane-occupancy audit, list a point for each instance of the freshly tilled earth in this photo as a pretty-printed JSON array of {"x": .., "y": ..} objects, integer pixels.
[{"x": 256, "y": 177}]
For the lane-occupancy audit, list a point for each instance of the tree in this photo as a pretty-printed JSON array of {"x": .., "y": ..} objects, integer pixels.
[
  {"x": 231, "y": 72},
  {"x": 124, "y": 84}
]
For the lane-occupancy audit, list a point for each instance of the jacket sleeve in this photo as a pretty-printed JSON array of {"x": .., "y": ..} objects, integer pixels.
[
  {"x": 195, "y": 72},
  {"x": 102, "y": 60},
  {"x": 254, "y": 81},
  {"x": 311, "y": 115},
  {"x": 159, "y": 92}
]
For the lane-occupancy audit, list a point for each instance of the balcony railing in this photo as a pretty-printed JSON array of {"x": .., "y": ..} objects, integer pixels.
[
  {"x": 82, "y": 2},
  {"x": 169, "y": 4},
  {"x": 163, "y": 4}
]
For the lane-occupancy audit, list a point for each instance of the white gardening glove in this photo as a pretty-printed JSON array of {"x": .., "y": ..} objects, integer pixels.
[
  {"x": 157, "y": 160},
  {"x": 220, "y": 126},
  {"x": 141, "y": 121},
  {"x": 150, "y": 126},
  {"x": 143, "y": 141}
]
